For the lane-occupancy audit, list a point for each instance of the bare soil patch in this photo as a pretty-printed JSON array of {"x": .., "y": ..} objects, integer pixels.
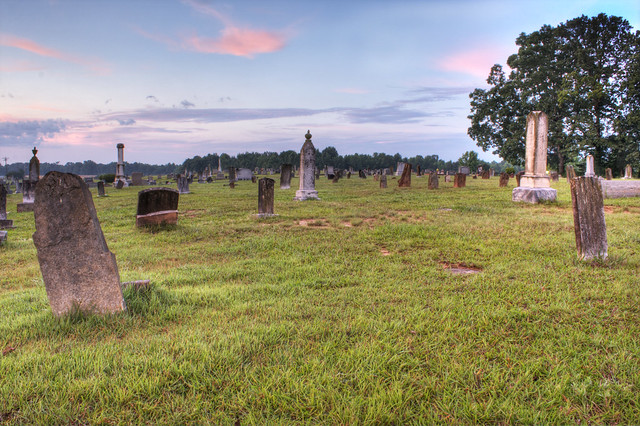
[{"x": 460, "y": 268}]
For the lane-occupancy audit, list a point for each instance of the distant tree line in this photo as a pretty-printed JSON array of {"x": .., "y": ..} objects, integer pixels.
[
  {"x": 89, "y": 168},
  {"x": 330, "y": 157}
]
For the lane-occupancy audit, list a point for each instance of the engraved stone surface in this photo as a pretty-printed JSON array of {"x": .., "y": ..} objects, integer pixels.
[
  {"x": 285, "y": 176},
  {"x": 433, "y": 181},
  {"x": 460, "y": 180},
  {"x": 588, "y": 218},
  {"x": 265, "y": 197},
  {"x": 307, "y": 189},
  {"x": 571, "y": 173},
  {"x": 405, "y": 179},
  {"x": 79, "y": 271},
  {"x": 157, "y": 206}
]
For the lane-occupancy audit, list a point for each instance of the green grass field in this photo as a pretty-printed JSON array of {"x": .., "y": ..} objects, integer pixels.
[{"x": 339, "y": 311}]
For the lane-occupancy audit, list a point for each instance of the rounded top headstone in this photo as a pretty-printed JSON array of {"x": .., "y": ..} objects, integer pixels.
[
  {"x": 308, "y": 135},
  {"x": 120, "y": 145}
]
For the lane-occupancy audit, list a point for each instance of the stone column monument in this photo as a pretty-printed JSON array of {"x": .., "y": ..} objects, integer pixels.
[
  {"x": 307, "y": 189},
  {"x": 120, "y": 177},
  {"x": 628, "y": 173},
  {"x": 29, "y": 185},
  {"x": 590, "y": 169},
  {"x": 535, "y": 185}
]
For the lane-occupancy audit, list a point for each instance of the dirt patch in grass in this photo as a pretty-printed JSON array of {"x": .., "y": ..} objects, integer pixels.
[
  {"x": 347, "y": 224},
  {"x": 460, "y": 268},
  {"x": 191, "y": 213},
  {"x": 316, "y": 223},
  {"x": 384, "y": 252}
]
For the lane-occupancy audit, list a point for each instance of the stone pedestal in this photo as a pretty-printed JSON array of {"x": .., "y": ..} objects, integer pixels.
[{"x": 533, "y": 195}]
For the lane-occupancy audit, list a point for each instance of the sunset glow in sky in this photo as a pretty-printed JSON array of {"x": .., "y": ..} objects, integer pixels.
[{"x": 176, "y": 78}]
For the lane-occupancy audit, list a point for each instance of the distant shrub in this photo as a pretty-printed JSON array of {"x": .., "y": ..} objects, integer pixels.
[
  {"x": 107, "y": 177},
  {"x": 510, "y": 170}
]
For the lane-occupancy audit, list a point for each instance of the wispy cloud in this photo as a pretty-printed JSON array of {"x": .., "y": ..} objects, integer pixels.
[
  {"x": 26, "y": 133},
  {"x": 31, "y": 46},
  {"x": 352, "y": 91},
  {"x": 232, "y": 39},
  {"x": 476, "y": 62}
]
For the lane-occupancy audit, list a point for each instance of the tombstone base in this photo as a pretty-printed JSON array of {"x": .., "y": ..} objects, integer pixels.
[
  {"x": 6, "y": 224},
  {"x": 263, "y": 215},
  {"x": 533, "y": 195},
  {"x": 25, "y": 207},
  {"x": 620, "y": 189},
  {"x": 306, "y": 194},
  {"x": 167, "y": 217},
  {"x": 3, "y": 236}
]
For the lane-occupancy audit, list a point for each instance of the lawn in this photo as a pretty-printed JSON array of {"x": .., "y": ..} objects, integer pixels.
[{"x": 344, "y": 310}]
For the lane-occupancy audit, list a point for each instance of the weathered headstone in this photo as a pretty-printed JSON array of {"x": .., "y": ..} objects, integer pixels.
[
  {"x": 588, "y": 218},
  {"x": 34, "y": 167},
  {"x": 79, "y": 271},
  {"x": 120, "y": 184},
  {"x": 555, "y": 177},
  {"x": 361, "y": 174},
  {"x": 4, "y": 222},
  {"x": 608, "y": 175},
  {"x": 460, "y": 180},
  {"x": 518, "y": 177},
  {"x": 534, "y": 184},
  {"x": 571, "y": 173},
  {"x": 383, "y": 181},
  {"x": 486, "y": 174},
  {"x": 590, "y": 167},
  {"x": 136, "y": 179},
  {"x": 28, "y": 197},
  {"x": 101, "y": 192},
  {"x": 157, "y": 206},
  {"x": 418, "y": 171},
  {"x": 183, "y": 184},
  {"x": 628, "y": 172},
  {"x": 244, "y": 174},
  {"x": 463, "y": 169},
  {"x": 232, "y": 174},
  {"x": 399, "y": 168},
  {"x": 349, "y": 175},
  {"x": 504, "y": 179},
  {"x": 433, "y": 181},
  {"x": 405, "y": 179},
  {"x": 307, "y": 189},
  {"x": 285, "y": 176},
  {"x": 265, "y": 197}
]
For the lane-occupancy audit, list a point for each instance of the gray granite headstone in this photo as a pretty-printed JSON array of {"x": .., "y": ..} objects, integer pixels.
[
  {"x": 307, "y": 189},
  {"x": 101, "y": 192},
  {"x": 4, "y": 222},
  {"x": 383, "y": 181},
  {"x": 79, "y": 271},
  {"x": 136, "y": 179},
  {"x": 183, "y": 184}
]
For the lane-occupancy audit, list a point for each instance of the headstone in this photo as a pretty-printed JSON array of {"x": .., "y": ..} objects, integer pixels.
[
  {"x": 590, "y": 167},
  {"x": 620, "y": 188},
  {"x": 329, "y": 172},
  {"x": 136, "y": 179},
  {"x": 555, "y": 177},
  {"x": 628, "y": 173},
  {"x": 307, "y": 189},
  {"x": 460, "y": 180},
  {"x": 219, "y": 175},
  {"x": 79, "y": 271},
  {"x": 157, "y": 206},
  {"x": 28, "y": 197},
  {"x": 285, "y": 176},
  {"x": 571, "y": 173},
  {"x": 265, "y": 197},
  {"x": 383, "y": 181},
  {"x": 504, "y": 179},
  {"x": 518, "y": 177},
  {"x": 4, "y": 222},
  {"x": 244, "y": 174},
  {"x": 3, "y": 237},
  {"x": 486, "y": 174},
  {"x": 232, "y": 174},
  {"x": 361, "y": 174},
  {"x": 34, "y": 167},
  {"x": 534, "y": 184},
  {"x": 608, "y": 174},
  {"x": 183, "y": 184},
  {"x": 405, "y": 179},
  {"x": 101, "y": 189},
  {"x": 588, "y": 218},
  {"x": 448, "y": 178},
  {"x": 463, "y": 169},
  {"x": 120, "y": 176},
  {"x": 349, "y": 174},
  {"x": 433, "y": 181},
  {"x": 120, "y": 184},
  {"x": 418, "y": 171},
  {"x": 376, "y": 177}
]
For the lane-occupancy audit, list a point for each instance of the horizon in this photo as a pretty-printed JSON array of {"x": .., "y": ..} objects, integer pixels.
[{"x": 177, "y": 79}]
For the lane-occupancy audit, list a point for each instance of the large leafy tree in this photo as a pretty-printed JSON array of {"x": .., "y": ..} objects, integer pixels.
[{"x": 579, "y": 74}]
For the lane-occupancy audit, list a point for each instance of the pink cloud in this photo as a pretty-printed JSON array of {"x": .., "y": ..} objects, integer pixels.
[
  {"x": 476, "y": 62},
  {"x": 238, "y": 42},
  {"x": 38, "y": 49}
]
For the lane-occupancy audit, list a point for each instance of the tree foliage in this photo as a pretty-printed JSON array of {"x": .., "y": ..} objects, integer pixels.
[{"x": 584, "y": 75}]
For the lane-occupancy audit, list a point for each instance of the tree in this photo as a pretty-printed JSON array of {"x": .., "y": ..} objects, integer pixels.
[
  {"x": 470, "y": 159},
  {"x": 578, "y": 74}
]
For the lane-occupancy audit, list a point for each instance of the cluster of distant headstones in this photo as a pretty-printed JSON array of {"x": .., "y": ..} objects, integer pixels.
[{"x": 66, "y": 221}]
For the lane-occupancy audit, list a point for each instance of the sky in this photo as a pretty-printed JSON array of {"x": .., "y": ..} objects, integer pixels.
[{"x": 171, "y": 79}]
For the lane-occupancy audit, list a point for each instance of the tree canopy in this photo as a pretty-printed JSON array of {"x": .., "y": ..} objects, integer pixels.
[{"x": 584, "y": 74}]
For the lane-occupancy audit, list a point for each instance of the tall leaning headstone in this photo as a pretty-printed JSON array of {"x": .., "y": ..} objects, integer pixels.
[
  {"x": 285, "y": 176},
  {"x": 79, "y": 271},
  {"x": 307, "y": 189},
  {"x": 534, "y": 184},
  {"x": 588, "y": 217},
  {"x": 405, "y": 178}
]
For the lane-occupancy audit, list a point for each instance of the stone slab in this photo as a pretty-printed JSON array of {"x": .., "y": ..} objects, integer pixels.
[
  {"x": 620, "y": 188},
  {"x": 6, "y": 224},
  {"x": 533, "y": 195},
  {"x": 169, "y": 217},
  {"x": 24, "y": 207}
]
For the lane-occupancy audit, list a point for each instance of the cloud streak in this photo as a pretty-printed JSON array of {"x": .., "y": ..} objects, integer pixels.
[
  {"x": 27, "y": 45},
  {"x": 21, "y": 133}
]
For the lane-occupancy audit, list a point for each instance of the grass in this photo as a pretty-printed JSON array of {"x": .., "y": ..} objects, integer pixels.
[{"x": 342, "y": 310}]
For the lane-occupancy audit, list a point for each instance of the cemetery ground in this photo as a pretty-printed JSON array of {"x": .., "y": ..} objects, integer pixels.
[{"x": 397, "y": 305}]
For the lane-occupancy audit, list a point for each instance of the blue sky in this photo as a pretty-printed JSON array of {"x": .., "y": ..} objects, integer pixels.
[{"x": 176, "y": 78}]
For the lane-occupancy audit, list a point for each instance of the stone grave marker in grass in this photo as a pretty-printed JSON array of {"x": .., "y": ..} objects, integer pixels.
[
  {"x": 588, "y": 218},
  {"x": 157, "y": 206},
  {"x": 405, "y": 179},
  {"x": 265, "y": 197},
  {"x": 285, "y": 176},
  {"x": 79, "y": 271},
  {"x": 307, "y": 189},
  {"x": 433, "y": 180}
]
